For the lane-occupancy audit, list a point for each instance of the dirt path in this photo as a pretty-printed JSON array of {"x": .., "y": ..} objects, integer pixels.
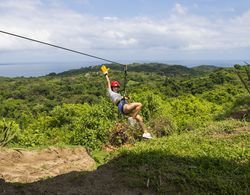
[
  {"x": 68, "y": 171},
  {"x": 25, "y": 166}
]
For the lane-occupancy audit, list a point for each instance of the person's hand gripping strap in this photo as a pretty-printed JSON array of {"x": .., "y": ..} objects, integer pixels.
[{"x": 104, "y": 70}]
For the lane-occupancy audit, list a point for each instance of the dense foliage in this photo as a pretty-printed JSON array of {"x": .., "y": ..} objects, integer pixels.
[{"x": 72, "y": 108}]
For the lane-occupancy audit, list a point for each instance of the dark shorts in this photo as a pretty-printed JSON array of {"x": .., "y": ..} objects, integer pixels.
[{"x": 120, "y": 105}]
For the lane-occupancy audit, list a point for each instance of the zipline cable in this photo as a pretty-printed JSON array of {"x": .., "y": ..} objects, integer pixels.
[
  {"x": 59, "y": 47},
  {"x": 71, "y": 50}
]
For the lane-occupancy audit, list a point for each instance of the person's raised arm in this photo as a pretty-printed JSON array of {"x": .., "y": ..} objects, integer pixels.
[
  {"x": 108, "y": 81},
  {"x": 105, "y": 72}
]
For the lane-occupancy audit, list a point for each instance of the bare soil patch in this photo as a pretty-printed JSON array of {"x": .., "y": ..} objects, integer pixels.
[
  {"x": 24, "y": 166},
  {"x": 61, "y": 171}
]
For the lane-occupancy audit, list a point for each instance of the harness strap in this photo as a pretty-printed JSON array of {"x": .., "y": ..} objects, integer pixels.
[
  {"x": 118, "y": 102},
  {"x": 125, "y": 68}
]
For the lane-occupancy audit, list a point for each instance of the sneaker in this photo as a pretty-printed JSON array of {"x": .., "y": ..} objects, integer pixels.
[
  {"x": 132, "y": 121},
  {"x": 147, "y": 135}
]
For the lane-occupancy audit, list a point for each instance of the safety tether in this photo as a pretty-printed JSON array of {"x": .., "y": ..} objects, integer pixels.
[{"x": 125, "y": 68}]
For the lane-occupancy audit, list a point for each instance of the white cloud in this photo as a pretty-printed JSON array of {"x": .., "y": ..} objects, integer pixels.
[
  {"x": 25, "y": 5},
  {"x": 181, "y": 31},
  {"x": 179, "y": 9},
  {"x": 107, "y": 18}
]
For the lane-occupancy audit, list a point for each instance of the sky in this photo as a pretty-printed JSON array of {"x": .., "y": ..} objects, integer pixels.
[{"x": 125, "y": 30}]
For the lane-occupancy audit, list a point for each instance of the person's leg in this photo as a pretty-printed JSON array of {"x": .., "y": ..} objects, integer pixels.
[
  {"x": 145, "y": 134},
  {"x": 132, "y": 109},
  {"x": 139, "y": 119}
]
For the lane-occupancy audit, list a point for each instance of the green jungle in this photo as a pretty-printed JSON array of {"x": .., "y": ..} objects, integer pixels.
[{"x": 199, "y": 118}]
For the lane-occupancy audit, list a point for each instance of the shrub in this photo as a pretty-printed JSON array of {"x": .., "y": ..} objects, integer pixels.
[
  {"x": 240, "y": 109},
  {"x": 122, "y": 133},
  {"x": 73, "y": 124},
  {"x": 8, "y": 131},
  {"x": 151, "y": 103},
  {"x": 92, "y": 128},
  {"x": 162, "y": 126},
  {"x": 190, "y": 112}
]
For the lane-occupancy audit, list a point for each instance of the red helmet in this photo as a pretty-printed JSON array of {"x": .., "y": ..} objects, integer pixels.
[{"x": 115, "y": 84}]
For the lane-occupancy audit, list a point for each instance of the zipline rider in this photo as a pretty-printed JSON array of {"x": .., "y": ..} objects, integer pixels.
[{"x": 125, "y": 108}]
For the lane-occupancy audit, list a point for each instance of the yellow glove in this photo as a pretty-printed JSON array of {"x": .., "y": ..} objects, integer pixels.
[{"x": 104, "y": 70}]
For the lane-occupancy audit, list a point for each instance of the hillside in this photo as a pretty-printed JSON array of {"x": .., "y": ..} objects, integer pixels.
[
  {"x": 212, "y": 160},
  {"x": 199, "y": 119},
  {"x": 164, "y": 69},
  {"x": 206, "y": 68}
]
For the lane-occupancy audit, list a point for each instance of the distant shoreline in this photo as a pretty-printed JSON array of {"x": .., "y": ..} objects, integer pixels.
[{"x": 36, "y": 69}]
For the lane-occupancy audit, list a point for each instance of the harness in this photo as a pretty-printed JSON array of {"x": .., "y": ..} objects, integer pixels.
[
  {"x": 120, "y": 105},
  {"x": 123, "y": 101}
]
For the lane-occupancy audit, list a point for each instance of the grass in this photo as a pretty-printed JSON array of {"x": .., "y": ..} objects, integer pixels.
[
  {"x": 212, "y": 160},
  {"x": 100, "y": 156}
]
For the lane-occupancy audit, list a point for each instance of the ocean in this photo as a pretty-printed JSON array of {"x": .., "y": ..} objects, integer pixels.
[{"x": 34, "y": 69}]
